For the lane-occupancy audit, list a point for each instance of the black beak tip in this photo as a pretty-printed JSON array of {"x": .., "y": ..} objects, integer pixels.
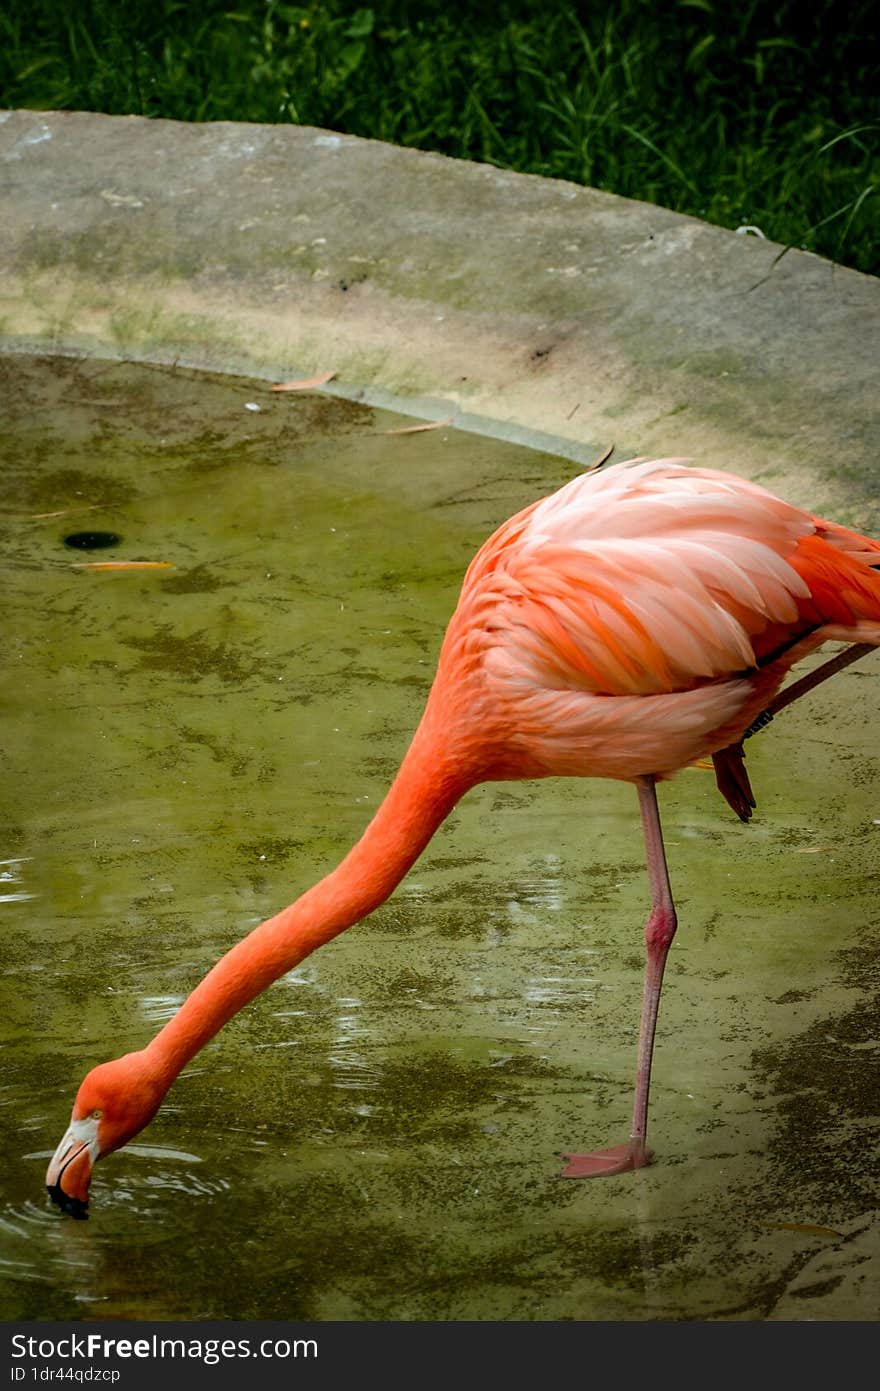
[{"x": 74, "y": 1207}]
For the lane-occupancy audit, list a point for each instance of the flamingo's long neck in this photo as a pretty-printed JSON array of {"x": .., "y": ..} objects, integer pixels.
[{"x": 424, "y": 792}]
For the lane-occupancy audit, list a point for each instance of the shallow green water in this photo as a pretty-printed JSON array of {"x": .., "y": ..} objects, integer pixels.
[{"x": 377, "y": 1137}]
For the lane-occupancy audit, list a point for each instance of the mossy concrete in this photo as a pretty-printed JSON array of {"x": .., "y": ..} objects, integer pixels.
[{"x": 518, "y": 305}]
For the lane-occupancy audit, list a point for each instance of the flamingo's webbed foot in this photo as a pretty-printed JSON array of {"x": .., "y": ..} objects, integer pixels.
[{"x": 602, "y": 1163}]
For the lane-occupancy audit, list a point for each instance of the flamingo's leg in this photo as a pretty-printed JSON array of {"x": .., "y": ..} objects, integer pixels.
[
  {"x": 808, "y": 682},
  {"x": 659, "y": 932}
]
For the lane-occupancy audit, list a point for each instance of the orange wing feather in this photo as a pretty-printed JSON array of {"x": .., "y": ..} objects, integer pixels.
[{"x": 678, "y": 591}]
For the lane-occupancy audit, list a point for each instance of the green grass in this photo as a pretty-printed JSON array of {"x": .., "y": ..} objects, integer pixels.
[{"x": 752, "y": 113}]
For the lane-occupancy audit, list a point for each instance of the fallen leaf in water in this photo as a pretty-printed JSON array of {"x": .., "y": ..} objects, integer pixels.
[
  {"x": 306, "y": 384},
  {"x": 63, "y": 512},
  {"x": 123, "y": 565},
  {"x": 120, "y": 200},
  {"x": 417, "y": 429},
  {"x": 808, "y": 1228}
]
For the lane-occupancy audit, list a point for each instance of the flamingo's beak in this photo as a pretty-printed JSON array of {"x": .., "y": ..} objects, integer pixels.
[{"x": 70, "y": 1168}]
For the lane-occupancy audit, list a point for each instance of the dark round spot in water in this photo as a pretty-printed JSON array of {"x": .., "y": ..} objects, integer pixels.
[{"x": 92, "y": 540}]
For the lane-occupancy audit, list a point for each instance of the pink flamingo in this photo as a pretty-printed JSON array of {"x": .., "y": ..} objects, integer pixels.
[{"x": 639, "y": 619}]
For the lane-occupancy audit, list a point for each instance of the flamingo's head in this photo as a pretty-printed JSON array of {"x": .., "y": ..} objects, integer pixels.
[{"x": 115, "y": 1101}]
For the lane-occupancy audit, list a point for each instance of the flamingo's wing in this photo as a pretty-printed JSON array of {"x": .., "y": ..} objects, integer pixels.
[
  {"x": 693, "y": 588},
  {"x": 648, "y": 579}
]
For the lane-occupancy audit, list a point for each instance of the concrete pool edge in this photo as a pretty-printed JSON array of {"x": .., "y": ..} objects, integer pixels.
[{"x": 521, "y": 307}]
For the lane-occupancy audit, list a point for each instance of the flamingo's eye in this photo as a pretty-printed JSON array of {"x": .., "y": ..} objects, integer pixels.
[{"x": 97, "y": 1113}]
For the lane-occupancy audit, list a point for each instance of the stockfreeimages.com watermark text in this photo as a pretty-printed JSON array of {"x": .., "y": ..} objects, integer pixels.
[{"x": 96, "y": 1347}]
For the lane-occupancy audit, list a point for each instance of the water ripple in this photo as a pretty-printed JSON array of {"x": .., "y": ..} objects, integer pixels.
[{"x": 10, "y": 873}]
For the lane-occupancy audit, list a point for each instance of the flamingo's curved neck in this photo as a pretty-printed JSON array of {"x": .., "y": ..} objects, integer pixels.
[{"x": 425, "y": 790}]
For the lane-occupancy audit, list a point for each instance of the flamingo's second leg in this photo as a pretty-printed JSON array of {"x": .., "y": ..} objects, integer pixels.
[
  {"x": 810, "y": 681},
  {"x": 659, "y": 932},
  {"x": 730, "y": 768}
]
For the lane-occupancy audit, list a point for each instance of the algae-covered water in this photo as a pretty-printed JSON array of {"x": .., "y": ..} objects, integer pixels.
[{"x": 187, "y": 748}]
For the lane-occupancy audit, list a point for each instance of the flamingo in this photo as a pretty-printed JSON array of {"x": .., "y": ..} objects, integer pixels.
[{"x": 640, "y": 619}]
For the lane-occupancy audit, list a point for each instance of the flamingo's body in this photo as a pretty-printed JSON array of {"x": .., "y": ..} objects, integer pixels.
[{"x": 639, "y": 619}]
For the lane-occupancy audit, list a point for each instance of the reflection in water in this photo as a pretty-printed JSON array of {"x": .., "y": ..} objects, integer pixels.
[
  {"x": 378, "y": 1136},
  {"x": 10, "y": 877},
  {"x": 350, "y": 1068},
  {"x": 158, "y": 1008}
]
